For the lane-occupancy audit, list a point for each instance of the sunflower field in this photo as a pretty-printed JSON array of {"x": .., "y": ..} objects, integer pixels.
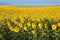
[{"x": 28, "y": 27}]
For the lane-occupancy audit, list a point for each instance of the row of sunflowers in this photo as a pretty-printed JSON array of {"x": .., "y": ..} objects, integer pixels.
[{"x": 29, "y": 28}]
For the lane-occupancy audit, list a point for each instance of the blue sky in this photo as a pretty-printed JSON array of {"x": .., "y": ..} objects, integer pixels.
[{"x": 30, "y": 2}]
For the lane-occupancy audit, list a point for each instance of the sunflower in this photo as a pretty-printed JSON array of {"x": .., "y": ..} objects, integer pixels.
[
  {"x": 32, "y": 18},
  {"x": 1, "y": 17},
  {"x": 37, "y": 19},
  {"x": 54, "y": 27},
  {"x": 22, "y": 20},
  {"x": 58, "y": 24},
  {"x": 8, "y": 23},
  {"x": 40, "y": 25},
  {"x": 33, "y": 31},
  {"x": 11, "y": 28},
  {"x": 20, "y": 25},
  {"x": 46, "y": 26},
  {"x": 33, "y": 25},
  {"x": 16, "y": 22},
  {"x": 16, "y": 29},
  {"x": 25, "y": 28},
  {"x": 28, "y": 24}
]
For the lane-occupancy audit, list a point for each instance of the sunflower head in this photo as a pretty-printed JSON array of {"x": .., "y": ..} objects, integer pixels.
[
  {"x": 33, "y": 25},
  {"x": 11, "y": 28},
  {"x": 25, "y": 28},
  {"x": 33, "y": 31},
  {"x": 28, "y": 24},
  {"x": 40, "y": 25},
  {"x": 58, "y": 24},
  {"x": 54, "y": 27},
  {"x": 16, "y": 29}
]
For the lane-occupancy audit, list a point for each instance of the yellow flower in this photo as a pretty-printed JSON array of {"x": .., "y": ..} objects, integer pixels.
[
  {"x": 32, "y": 18},
  {"x": 33, "y": 31},
  {"x": 46, "y": 26},
  {"x": 54, "y": 27},
  {"x": 37, "y": 19},
  {"x": 20, "y": 25},
  {"x": 11, "y": 28},
  {"x": 13, "y": 20},
  {"x": 8, "y": 23},
  {"x": 58, "y": 24},
  {"x": 25, "y": 28},
  {"x": 33, "y": 25},
  {"x": 2, "y": 22},
  {"x": 1, "y": 36},
  {"x": 6, "y": 17},
  {"x": 20, "y": 17},
  {"x": 22, "y": 20},
  {"x": 28, "y": 24},
  {"x": 1, "y": 18},
  {"x": 16, "y": 22},
  {"x": 16, "y": 29},
  {"x": 40, "y": 25},
  {"x": 25, "y": 16},
  {"x": 14, "y": 17}
]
